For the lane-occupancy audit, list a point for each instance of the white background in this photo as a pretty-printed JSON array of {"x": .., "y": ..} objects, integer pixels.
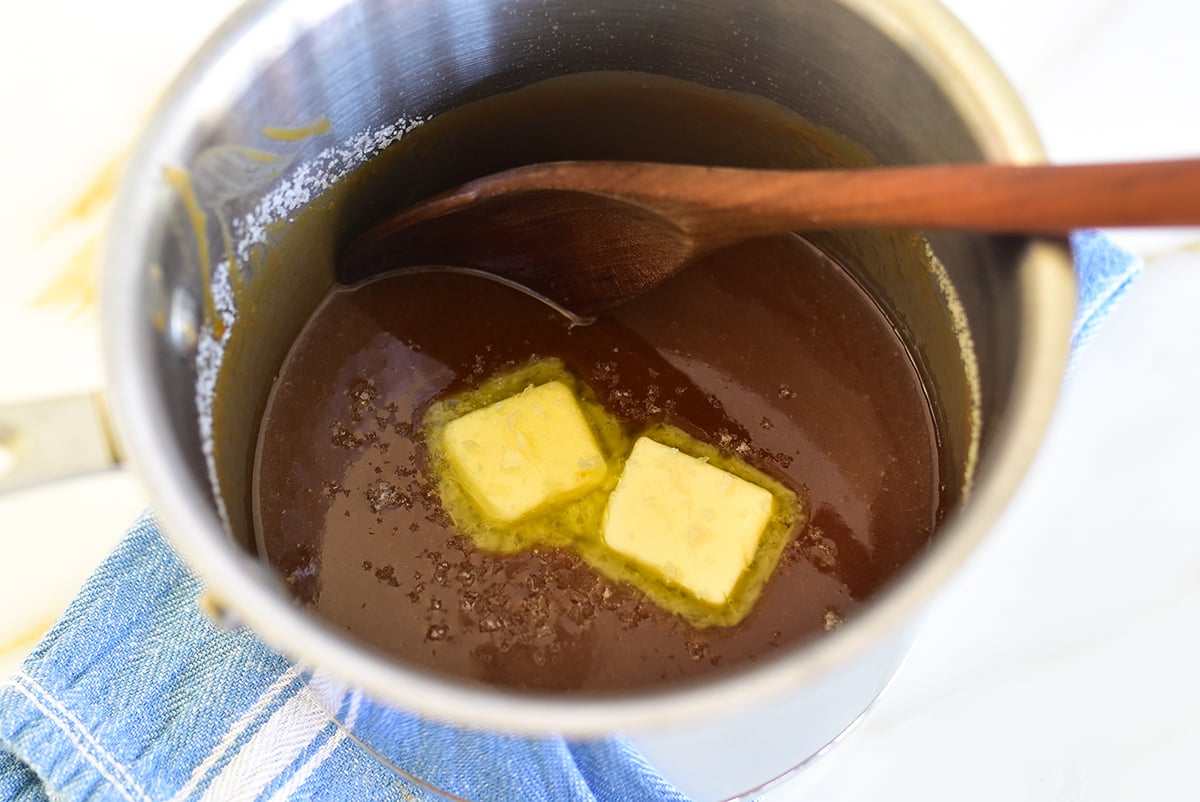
[{"x": 1061, "y": 664}]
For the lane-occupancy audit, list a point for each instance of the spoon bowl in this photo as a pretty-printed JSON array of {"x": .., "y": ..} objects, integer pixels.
[{"x": 583, "y": 250}]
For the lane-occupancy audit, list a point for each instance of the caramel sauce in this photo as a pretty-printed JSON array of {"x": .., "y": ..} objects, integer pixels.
[{"x": 768, "y": 350}]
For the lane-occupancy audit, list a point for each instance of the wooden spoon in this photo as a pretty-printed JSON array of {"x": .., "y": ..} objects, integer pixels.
[{"x": 594, "y": 234}]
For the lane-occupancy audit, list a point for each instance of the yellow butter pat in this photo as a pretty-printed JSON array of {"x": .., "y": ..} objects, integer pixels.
[
  {"x": 696, "y": 524},
  {"x": 525, "y": 452}
]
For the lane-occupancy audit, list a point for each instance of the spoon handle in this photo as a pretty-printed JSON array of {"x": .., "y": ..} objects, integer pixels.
[
  {"x": 1041, "y": 199},
  {"x": 975, "y": 197}
]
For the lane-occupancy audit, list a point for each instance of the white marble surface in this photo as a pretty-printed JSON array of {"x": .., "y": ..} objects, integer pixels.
[{"x": 1059, "y": 665}]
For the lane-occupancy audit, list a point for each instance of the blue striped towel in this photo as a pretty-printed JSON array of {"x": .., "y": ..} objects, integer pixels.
[
  {"x": 135, "y": 695},
  {"x": 1104, "y": 272}
]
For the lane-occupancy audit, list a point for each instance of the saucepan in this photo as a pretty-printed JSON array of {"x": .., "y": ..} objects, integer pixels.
[{"x": 291, "y": 96}]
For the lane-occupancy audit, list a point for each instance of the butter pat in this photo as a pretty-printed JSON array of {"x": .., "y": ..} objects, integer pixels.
[
  {"x": 525, "y": 452},
  {"x": 696, "y": 524}
]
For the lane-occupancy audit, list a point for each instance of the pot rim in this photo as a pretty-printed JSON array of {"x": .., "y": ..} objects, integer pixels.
[{"x": 994, "y": 114}]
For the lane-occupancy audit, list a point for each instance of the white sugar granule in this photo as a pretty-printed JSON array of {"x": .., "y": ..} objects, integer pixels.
[{"x": 295, "y": 191}]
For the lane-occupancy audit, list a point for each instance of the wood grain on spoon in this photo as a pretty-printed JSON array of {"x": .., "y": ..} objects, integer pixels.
[{"x": 593, "y": 234}]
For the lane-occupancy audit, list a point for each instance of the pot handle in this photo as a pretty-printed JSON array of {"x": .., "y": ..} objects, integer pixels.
[
  {"x": 55, "y": 438},
  {"x": 60, "y": 437}
]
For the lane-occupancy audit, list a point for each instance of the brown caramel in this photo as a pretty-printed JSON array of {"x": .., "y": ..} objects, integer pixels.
[{"x": 768, "y": 350}]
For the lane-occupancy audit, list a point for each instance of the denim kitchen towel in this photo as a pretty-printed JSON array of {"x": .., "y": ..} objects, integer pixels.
[
  {"x": 136, "y": 695},
  {"x": 1104, "y": 272}
]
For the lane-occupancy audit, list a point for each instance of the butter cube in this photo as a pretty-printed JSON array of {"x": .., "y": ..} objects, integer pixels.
[
  {"x": 525, "y": 452},
  {"x": 696, "y": 524}
]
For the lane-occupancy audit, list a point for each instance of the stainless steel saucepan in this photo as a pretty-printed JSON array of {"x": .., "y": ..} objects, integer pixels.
[{"x": 291, "y": 95}]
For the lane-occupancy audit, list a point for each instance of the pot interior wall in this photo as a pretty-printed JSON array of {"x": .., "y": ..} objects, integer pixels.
[{"x": 375, "y": 63}]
